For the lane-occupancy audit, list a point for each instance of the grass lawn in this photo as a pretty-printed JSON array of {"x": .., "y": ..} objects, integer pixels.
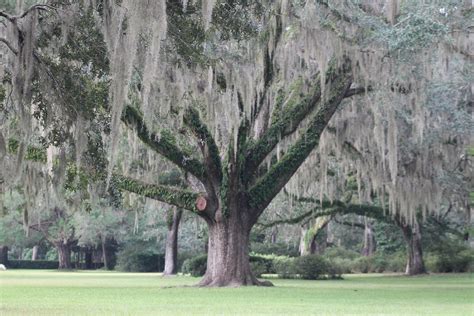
[{"x": 35, "y": 292}]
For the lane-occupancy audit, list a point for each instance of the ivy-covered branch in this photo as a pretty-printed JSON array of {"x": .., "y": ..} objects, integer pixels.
[
  {"x": 208, "y": 146},
  {"x": 332, "y": 209},
  {"x": 164, "y": 144},
  {"x": 268, "y": 186},
  {"x": 173, "y": 196},
  {"x": 283, "y": 126},
  {"x": 289, "y": 121}
]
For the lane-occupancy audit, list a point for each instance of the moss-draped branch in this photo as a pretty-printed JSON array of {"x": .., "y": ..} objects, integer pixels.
[
  {"x": 288, "y": 122},
  {"x": 173, "y": 196},
  {"x": 334, "y": 208},
  {"x": 283, "y": 126},
  {"x": 212, "y": 160},
  {"x": 275, "y": 179},
  {"x": 164, "y": 145}
]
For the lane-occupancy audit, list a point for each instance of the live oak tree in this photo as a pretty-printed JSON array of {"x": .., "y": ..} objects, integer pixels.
[
  {"x": 237, "y": 96},
  {"x": 321, "y": 213}
]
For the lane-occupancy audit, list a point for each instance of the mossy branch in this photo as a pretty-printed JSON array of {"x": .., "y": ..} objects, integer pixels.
[
  {"x": 173, "y": 196},
  {"x": 289, "y": 121},
  {"x": 268, "y": 186},
  {"x": 283, "y": 126},
  {"x": 164, "y": 145},
  {"x": 212, "y": 160},
  {"x": 334, "y": 208}
]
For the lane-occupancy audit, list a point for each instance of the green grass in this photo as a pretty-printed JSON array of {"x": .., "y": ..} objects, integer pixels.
[{"x": 29, "y": 292}]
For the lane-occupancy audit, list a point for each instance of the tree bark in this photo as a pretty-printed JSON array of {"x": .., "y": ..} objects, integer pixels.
[
  {"x": 369, "y": 240},
  {"x": 34, "y": 254},
  {"x": 302, "y": 248},
  {"x": 171, "y": 251},
  {"x": 274, "y": 234},
  {"x": 64, "y": 255},
  {"x": 104, "y": 253},
  {"x": 88, "y": 258},
  {"x": 4, "y": 255},
  {"x": 228, "y": 255},
  {"x": 412, "y": 236}
]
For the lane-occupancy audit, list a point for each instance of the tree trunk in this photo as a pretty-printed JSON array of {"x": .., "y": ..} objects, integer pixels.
[
  {"x": 412, "y": 235},
  {"x": 88, "y": 258},
  {"x": 228, "y": 255},
  {"x": 64, "y": 255},
  {"x": 369, "y": 239},
  {"x": 171, "y": 251},
  {"x": 302, "y": 248},
  {"x": 274, "y": 234},
  {"x": 308, "y": 238},
  {"x": 104, "y": 253},
  {"x": 4, "y": 255},
  {"x": 34, "y": 254}
]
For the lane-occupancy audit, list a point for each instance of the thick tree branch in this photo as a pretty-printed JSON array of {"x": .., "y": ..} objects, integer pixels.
[
  {"x": 14, "y": 18},
  {"x": 351, "y": 224},
  {"x": 357, "y": 91},
  {"x": 268, "y": 70},
  {"x": 212, "y": 160},
  {"x": 332, "y": 209},
  {"x": 173, "y": 196},
  {"x": 9, "y": 45},
  {"x": 163, "y": 144},
  {"x": 288, "y": 123},
  {"x": 275, "y": 179},
  {"x": 280, "y": 128}
]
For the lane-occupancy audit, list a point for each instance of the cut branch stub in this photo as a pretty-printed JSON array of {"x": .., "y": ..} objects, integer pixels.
[{"x": 201, "y": 203}]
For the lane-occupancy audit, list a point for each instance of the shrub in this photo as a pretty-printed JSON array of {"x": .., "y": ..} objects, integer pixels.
[
  {"x": 262, "y": 263},
  {"x": 335, "y": 269},
  {"x": 379, "y": 263},
  {"x": 362, "y": 265},
  {"x": 340, "y": 252},
  {"x": 29, "y": 264},
  {"x": 285, "y": 267},
  {"x": 450, "y": 256},
  {"x": 278, "y": 249},
  {"x": 311, "y": 267},
  {"x": 183, "y": 256},
  {"x": 259, "y": 264},
  {"x": 258, "y": 268},
  {"x": 141, "y": 262},
  {"x": 396, "y": 262},
  {"x": 461, "y": 261},
  {"x": 195, "y": 266}
]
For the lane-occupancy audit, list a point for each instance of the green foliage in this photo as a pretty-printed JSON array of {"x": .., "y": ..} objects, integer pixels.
[
  {"x": 389, "y": 237},
  {"x": 285, "y": 267},
  {"x": 195, "y": 266},
  {"x": 13, "y": 145},
  {"x": 131, "y": 260},
  {"x": 29, "y": 264},
  {"x": 3, "y": 93},
  {"x": 35, "y": 154},
  {"x": 259, "y": 264},
  {"x": 262, "y": 264},
  {"x": 311, "y": 267},
  {"x": 451, "y": 257},
  {"x": 348, "y": 261},
  {"x": 278, "y": 249}
]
